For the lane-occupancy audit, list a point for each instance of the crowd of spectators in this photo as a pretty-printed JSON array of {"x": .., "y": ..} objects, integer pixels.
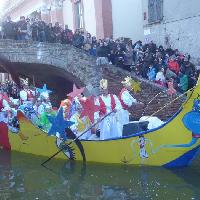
[
  {"x": 10, "y": 88},
  {"x": 37, "y": 30},
  {"x": 166, "y": 67}
]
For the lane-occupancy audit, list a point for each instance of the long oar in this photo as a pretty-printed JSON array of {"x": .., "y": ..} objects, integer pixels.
[
  {"x": 77, "y": 138},
  {"x": 150, "y": 102}
]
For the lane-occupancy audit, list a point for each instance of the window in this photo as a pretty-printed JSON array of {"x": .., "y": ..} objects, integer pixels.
[
  {"x": 155, "y": 8},
  {"x": 79, "y": 15}
]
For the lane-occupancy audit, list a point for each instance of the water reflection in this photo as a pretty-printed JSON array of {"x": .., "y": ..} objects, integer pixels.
[{"x": 22, "y": 177}]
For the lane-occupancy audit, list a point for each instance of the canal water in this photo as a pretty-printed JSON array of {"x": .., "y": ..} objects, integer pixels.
[{"x": 23, "y": 178}]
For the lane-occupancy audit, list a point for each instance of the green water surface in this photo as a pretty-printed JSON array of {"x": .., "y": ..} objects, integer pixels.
[{"x": 23, "y": 178}]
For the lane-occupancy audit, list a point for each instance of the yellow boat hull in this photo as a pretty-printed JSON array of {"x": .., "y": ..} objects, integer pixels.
[{"x": 158, "y": 148}]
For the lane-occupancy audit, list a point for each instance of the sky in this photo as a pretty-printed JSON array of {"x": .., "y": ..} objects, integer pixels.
[{"x": 2, "y": 6}]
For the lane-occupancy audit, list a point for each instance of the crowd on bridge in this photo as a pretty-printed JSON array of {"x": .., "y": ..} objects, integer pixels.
[{"x": 166, "y": 67}]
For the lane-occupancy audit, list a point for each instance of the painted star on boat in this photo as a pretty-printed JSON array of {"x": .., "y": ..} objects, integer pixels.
[
  {"x": 44, "y": 90},
  {"x": 59, "y": 124},
  {"x": 76, "y": 92}
]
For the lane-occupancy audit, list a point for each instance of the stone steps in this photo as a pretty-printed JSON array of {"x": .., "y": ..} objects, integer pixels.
[{"x": 149, "y": 91}]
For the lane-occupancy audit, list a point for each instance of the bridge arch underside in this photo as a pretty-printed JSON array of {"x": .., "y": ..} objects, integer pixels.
[{"x": 57, "y": 79}]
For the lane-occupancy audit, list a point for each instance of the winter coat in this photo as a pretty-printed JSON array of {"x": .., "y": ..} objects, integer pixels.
[
  {"x": 183, "y": 84},
  {"x": 174, "y": 66}
]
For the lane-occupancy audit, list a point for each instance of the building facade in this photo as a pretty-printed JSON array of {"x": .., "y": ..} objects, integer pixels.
[
  {"x": 101, "y": 18},
  {"x": 173, "y": 23}
]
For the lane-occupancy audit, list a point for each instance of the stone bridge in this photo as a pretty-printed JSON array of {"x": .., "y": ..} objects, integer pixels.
[
  {"x": 65, "y": 58},
  {"x": 62, "y": 65},
  {"x": 57, "y": 65}
]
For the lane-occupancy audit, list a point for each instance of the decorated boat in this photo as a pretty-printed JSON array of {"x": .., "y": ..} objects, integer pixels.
[{"x": 174, "y": 144}]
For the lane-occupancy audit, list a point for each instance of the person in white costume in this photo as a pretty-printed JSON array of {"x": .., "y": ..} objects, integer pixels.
[
  {"x": 26, "y": 95},
  {"x": 126, "y": 99},
  {"x": 110, "y": 126},
  {"x": 45, "y": 99},
  {"x": 39, "y": 107},
  {"x": 23, "y": 96}
]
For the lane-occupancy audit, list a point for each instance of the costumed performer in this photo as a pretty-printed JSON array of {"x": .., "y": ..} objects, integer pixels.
[
  {"x": 13, "y": 123},
  {"x": 66, "y": 105},
  {"x": 44, "y": 122},
  {"x": 4, "y": 110},
  {"x": 80, "y": 124},
  {"x": 39, "y": 107},
  {"x": 110, "y": 126},
  {"x": 126, "y": 99},
  {"x": 45, "y": 99},
  {"x": 26, "y": 95}
]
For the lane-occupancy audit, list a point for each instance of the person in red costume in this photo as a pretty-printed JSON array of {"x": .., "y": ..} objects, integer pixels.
[{"x": 4, "y": 109}]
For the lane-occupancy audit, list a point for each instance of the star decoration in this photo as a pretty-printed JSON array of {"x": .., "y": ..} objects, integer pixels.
[
  {"x": 59, "y": 124},
  {"x": 136, "y": 86},
  {"x": 44, "y": 90},
  {"x": 89, "y": 108},
  {"x": 76, "y": 92}
]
